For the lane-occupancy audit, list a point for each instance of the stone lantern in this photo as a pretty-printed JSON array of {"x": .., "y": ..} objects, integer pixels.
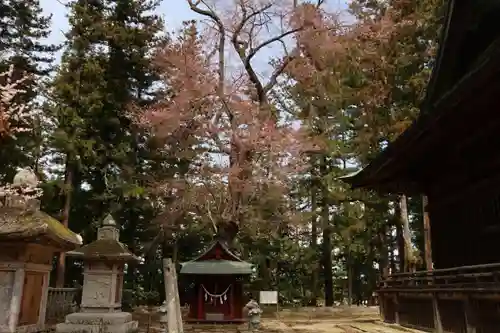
[
  {"x": 29, "y": 239},
  {"x": 104, "y": 261}
]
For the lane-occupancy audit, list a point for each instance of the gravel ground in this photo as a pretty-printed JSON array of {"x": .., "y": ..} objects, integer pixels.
[{"x": 303, "y": 320}]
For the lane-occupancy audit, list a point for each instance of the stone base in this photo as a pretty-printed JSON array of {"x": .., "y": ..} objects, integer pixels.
[{"x": 85, "y": 322}]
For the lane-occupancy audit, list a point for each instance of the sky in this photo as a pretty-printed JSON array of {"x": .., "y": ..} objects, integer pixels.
[{"x": 174, "y": 13}]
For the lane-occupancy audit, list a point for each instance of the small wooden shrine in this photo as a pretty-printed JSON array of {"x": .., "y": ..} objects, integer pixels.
[
  {"x": 29, "y": 239},
  {"x": 449, "y": 155},
  {"x": 104, "y": 261},
  {"x": 217, "y": 278}
]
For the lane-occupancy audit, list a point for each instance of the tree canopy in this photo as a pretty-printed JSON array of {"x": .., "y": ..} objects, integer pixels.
[{"x": 183, "y": 137}]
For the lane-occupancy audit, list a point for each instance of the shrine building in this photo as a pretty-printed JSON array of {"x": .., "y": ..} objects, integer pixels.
[
  {"x": 449, "y": 155},
  {"x": 217, "y": 278}
]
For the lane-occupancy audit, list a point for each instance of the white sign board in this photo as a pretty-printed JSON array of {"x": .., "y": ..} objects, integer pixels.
[{"x": 268, "y": 297}]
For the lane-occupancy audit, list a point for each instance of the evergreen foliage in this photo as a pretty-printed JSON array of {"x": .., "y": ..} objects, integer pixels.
[{"x": 95, "y": 158}]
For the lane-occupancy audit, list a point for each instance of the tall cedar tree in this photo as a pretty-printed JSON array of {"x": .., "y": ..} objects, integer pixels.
[
  {"x": 23, "y": 28},
  {"x": 364, "y": 88},
  {"x": 404, "y": 37},
  {"x": 105, "y": 69}
]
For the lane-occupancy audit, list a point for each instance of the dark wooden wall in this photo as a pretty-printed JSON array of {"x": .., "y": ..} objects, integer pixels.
[
  {"x": 464, "y": 196},
  {"x": 466, "y": 232},
  {"x": 462, "y": 179}
]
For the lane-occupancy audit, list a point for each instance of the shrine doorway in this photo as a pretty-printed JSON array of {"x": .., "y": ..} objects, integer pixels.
[{"x": 217, "y": 302}]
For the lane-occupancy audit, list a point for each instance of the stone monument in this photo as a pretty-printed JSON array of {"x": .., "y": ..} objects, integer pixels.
[
  {"x": 100, "y": 309},
  {"x": 29, "y": 239}
]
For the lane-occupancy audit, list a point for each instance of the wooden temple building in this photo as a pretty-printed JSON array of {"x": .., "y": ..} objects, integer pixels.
[
  {"x": 449, "y": 154},
  {"x": 217, "y": 278}
]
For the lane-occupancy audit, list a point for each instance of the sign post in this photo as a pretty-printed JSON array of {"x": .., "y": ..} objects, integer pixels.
[{"x": 269, "y": 297}]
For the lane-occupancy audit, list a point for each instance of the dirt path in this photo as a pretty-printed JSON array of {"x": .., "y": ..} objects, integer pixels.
[
  {"x": 333, "y": 326},
  {"x": 306, "y": 320}
]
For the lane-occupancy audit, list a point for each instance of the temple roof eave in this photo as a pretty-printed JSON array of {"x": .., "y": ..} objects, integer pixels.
[
  {"x": 359, "y": 179},
  {"x": 17, "y": 224},
  {"x": 398, "y": 168},
  {"x": 377, "y": 174},
  {"x": 235, "y": 266},
  {"x": 216, "y": 267},
  {"x": 224, "y": 247}
]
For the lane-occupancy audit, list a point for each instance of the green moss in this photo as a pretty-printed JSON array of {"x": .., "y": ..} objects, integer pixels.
[
  {"x": 106, "y": 249},
  {"x": 18, "y": 223}
]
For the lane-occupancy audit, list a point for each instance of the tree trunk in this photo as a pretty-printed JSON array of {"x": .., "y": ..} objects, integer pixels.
[
  {"x": 408, "y": 248},
  {"x": 427, "y": 234},
  {"x": 384, "y": 253},
  {"x": 167, "y": 251},
  {"x": 371, "y": 273},
  {"x": 175, "y": 252},
  {"x": 400, "y": 241},
  {"x": 264, "y": 273},
  {"x": 68, "y": 189},
  {"x": 392, "y": 255},
  {"x": 314, "y": 247},
  {"x": 349, "y": 277},
  {"x": 327, "y": 240}
]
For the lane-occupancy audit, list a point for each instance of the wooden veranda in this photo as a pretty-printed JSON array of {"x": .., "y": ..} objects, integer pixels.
[{"x": 464, "y": 299}]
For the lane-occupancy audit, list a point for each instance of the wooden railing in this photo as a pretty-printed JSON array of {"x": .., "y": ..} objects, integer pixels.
[
  {"x": 61, "y": 302},
  {"x": 463, "y": 299}
]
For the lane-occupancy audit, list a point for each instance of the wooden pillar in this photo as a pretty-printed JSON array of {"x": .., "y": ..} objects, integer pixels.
[
  {"x": 382, "y": 299},
  {"x": 438, "y": 326},
  {"x": 200, "y": 302},
  {"x": 15, "y": 303},
  {"x": 231, "y": 301},
  {"x": 470, "y": 316},
  {"x": 44, "y": 299},
  {"x": 396, "y": 309},
  {"x": 382, "y": 307},
  {"x": 427, "y": 233}
]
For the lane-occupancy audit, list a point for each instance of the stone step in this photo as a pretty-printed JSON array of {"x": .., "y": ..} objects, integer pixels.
[
  {"x": 201, "y": 330},
  {"x": 229, "y": 328}
]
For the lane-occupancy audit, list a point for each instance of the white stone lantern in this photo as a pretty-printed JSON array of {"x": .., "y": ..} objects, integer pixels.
[{"x": 104, "y": 261}]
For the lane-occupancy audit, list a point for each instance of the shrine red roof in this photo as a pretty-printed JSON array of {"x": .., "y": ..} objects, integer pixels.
[{"x": 217, "y": 259}]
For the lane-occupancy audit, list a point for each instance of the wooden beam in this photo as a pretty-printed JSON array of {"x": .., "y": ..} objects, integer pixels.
[
  {"x": 470, "y": 316},
  {"x": 438, "y": 326}
]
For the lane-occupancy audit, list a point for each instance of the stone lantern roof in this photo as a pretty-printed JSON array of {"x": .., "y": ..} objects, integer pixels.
[
  {"x": 107, "y": 246},
  {"x": 22, "y": 220}
]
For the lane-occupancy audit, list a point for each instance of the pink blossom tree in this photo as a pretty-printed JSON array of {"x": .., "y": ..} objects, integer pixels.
[
  {"x": 220, "y": 112},
  {"x": 14, "y": 118},
  {"x": 10, "y": 110}
]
